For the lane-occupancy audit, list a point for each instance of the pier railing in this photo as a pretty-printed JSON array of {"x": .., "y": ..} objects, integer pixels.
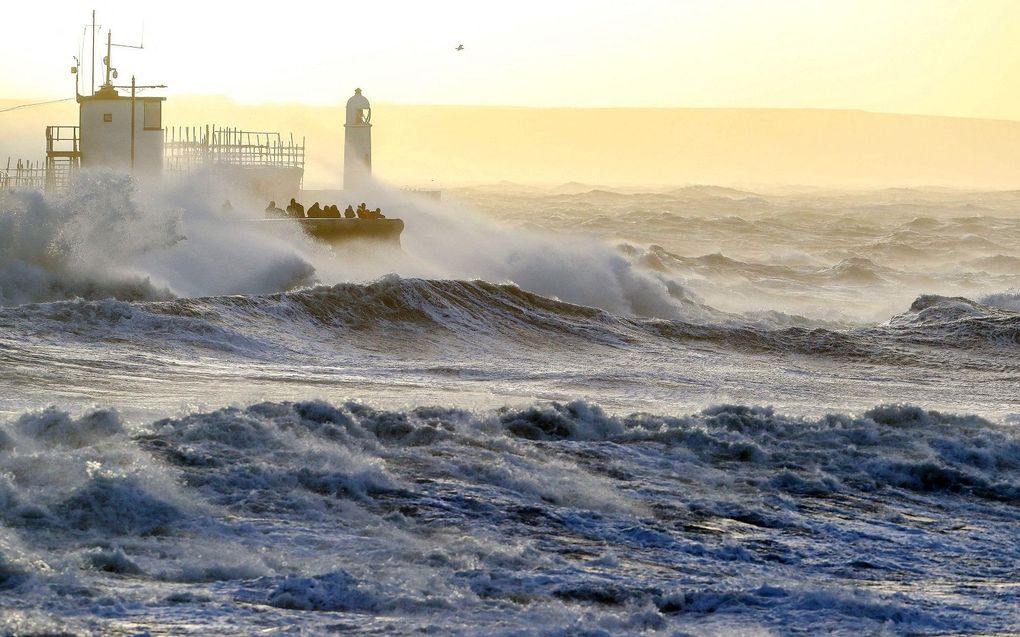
[
  {"x": 22, "y": 174},
  {"x": 188, "y": 148},
  {"x": 184, "y": 149}
]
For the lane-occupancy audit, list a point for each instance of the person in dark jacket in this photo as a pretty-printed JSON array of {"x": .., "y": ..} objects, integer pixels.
[{"x": 295, "y": 209}]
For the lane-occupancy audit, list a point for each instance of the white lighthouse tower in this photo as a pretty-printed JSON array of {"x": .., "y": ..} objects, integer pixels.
[{"x": 357, "y": 143}]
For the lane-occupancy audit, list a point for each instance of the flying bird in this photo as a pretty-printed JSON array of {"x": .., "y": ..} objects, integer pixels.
[{"x": 460, "y": 47}]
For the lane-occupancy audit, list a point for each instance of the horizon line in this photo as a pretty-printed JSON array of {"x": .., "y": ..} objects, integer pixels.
[{"x": 340, "y": 105}]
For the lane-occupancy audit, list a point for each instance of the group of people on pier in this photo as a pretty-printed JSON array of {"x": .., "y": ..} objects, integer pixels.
[{"x": 315, "y": 211}]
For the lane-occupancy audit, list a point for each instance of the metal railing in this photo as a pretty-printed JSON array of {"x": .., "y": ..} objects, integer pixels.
[
  {"x": 22, "y": 174},
  {"x": 184, "y": 149},
  {"x": 63, "y": 156},
  {"x": 188, "y": 148}
]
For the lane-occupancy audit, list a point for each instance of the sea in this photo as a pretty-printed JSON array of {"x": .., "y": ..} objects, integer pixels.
[{"x": 567, "y": 411}]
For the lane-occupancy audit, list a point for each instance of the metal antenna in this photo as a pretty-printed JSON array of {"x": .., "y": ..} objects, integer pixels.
[
  {"x": 109, "y": 55},
  {"x": 108, "y": 60},
  {"x": 140, "y": 45},
  {"x": 81, "y": 47},
  {"x": 92, "y": 76}
]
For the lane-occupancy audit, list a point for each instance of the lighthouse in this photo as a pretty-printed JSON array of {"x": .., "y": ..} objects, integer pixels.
[{"x": 357, "y": 143}]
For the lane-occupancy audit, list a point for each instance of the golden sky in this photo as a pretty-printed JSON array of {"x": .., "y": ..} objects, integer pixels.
[{"x": 939, "y": 57}]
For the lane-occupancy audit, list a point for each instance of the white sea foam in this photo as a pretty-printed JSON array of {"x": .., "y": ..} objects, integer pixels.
[
  {"x": 107, "y": 238},
  {"x": 1005, "y": 301},
  {"x": 737, "y": 516},
  {"x": 232, "y": 463}
]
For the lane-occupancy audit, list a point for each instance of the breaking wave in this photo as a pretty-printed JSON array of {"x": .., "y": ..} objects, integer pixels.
[
  {"x": 415, "y": 314},
  {"x": 544, "y": 513},
  {"x": 78, "y": 245},
  {"x": 104, "y": 238},
  {"x": 960, "y": 322},
  {"x": 107, "y": 238},
  {"x": 550, "y": 433}
]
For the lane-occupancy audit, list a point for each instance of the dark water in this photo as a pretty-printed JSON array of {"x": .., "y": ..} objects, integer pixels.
[{"x": 695, "y": 411}]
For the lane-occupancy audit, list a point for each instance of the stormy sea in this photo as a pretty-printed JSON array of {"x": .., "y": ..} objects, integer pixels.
[{"x": 553, "y": 411}]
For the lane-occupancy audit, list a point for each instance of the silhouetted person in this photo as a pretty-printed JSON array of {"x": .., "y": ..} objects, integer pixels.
[
  {"x": 377, "y": 214},
  {"x": 349, "y": 213},
  {"x": 315, "y": 211},
  {"x": 295, "y": 209},
  {"x": 273, "y": 211},
  {"x": 334, "y": 211},
  {"x": 362, "y": 211}
]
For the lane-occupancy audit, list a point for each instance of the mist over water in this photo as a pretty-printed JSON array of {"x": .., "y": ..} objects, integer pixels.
[
  {"x": 857, "y": 256},
  {"x": 149, "y": 244},
  {"x": 829, "y": 256},
  {"x": 554, "y": 411},
  {"x": 107, "y": 237}
]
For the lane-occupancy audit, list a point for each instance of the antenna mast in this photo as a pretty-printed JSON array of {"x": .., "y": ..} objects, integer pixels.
[
  {"x": 108, "y": 59},
  {"x": 92, "y": 77}
]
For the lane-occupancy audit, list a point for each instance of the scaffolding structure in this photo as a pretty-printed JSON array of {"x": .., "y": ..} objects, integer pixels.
[
  {"x": 188, "y": 148},
  {"x": 63, "y": 156},
  {"x": 23, "y": 174},
  {"x": 63, "y": 159},
  {"x": 274, "y": 163}
]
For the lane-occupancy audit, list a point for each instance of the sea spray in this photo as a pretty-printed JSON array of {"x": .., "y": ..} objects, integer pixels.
[
  {"x": 402, "y": 448},
  {"x": 452, "y": 240},
  {"x": 109, "y": 233},
  {"x": 108, "y": 236},
  {"x": 79, "y": 244}
]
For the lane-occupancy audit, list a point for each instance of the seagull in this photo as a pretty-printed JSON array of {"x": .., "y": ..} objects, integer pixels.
[{"x": 460, "y": 47}]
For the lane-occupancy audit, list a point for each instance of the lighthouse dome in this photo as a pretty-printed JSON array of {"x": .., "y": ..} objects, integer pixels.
[
  {"x": 358, "y": 100},
  {"x": 359, "y": 111}
]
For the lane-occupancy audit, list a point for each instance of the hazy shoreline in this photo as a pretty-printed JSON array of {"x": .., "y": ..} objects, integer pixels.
[{"x": 449, "y": 146}]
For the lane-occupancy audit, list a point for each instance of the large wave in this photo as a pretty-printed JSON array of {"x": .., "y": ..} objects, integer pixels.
[
  {"x": 960, "y": 322},
  {"x": 105, "y": 238},
  {"x": 477, "y": 316},
  {"x": 79, "y": 245},
  {"x": 109, "y": 237},
  {"x": 530, "y": 519},
  {"x": 778, "y": 260}
]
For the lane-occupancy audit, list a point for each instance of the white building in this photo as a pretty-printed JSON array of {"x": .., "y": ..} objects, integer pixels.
[{"x": 121, "y": 132}]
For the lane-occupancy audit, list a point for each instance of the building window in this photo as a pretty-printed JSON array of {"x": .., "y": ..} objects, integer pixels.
[
  {"x": 107, "y": 117},
  {"x": 152, "y": 116}
]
